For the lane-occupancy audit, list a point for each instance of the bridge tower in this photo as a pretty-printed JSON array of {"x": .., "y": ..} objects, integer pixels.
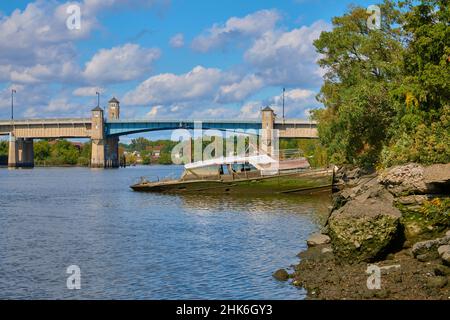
[
  {"x": 98, "y": 138},
  {"x": 112, "y": 143},
  {"x": 114, "y": 109},
  {"x": 268, "y": 139}
]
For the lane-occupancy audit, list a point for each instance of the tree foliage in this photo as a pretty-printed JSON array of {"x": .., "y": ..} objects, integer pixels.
[{"x": 386, "y": 91}]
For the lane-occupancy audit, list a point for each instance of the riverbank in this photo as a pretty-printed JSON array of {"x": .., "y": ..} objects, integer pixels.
[{"x": 397, "y": 223}]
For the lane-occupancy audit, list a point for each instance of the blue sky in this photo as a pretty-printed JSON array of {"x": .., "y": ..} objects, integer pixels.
[{"x": 162, "y": 58}]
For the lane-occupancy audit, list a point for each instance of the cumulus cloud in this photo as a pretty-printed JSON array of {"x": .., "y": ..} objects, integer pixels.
[
  {"x": 41, "y": 46},
  {"x": 88, "y": 91},
  {"x": 250, "y": 26},
  {"x": 298, "y": 103},
  {"x": 240, "y": 90},
  {"x": 177, "y": 41},
  {"x": 251, "y": 110},
  {"x": 198, "y": 84},
  {"x": 288, "y": 58},
  {"x": 124, "y": 63}
]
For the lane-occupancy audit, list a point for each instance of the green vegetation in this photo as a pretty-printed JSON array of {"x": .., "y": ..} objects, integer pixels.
[
  {"x": 61, "y": 153},
  {"x": 387, "y": 92},
  {"x": 147, "y": 148},
  {"x": 3, "y": 152}
]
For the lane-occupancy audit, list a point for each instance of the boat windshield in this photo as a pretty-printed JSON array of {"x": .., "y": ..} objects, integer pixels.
[{"x": 243, "y": 167}]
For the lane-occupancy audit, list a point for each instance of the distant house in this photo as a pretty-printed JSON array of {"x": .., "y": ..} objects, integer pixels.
[{"x": 155, "y": 151}]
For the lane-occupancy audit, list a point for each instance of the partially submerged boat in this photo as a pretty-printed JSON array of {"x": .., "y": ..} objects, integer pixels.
[{"x": 258, "y": 174}]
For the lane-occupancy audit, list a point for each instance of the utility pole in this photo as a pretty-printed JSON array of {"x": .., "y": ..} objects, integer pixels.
[
  {"x": 284, "y": 91},
  {"x": 98, "y": 98},
  {"x": 13, "y": 91}
]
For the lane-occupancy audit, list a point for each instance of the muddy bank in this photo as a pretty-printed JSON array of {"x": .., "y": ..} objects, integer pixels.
[{"x": 387, "y": 237}]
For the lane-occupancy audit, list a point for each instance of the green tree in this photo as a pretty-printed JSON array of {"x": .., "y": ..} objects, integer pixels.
[
  {"x": 4, "y": 148},
  {"x": 64, "y": 153},
  {"x": 140, "y": 144},
  {"x": 165, "y": 159},
  {"x": 42, "y": 152},
  {"x": 361, "y": 66},
  {"x": 386, "y": 92},
  {"x": 421, "y": 130},
  {"x": 84, "y": 158}
]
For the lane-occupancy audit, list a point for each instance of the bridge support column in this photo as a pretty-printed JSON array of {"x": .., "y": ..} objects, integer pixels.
[
  {"x": 98, "y": 154},
  {"x": 28, "y": 153},
  {"x": 112, "y": 152},
  {"x": 12, "y": 154},
  {"x": 21, "y": 152},
  {"x": 267, "y": 136}
]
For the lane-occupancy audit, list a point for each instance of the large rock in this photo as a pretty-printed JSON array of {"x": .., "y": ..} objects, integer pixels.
[
  {"x": 318, "y": 239},
  {"x": 446, "y": 258},
  {"x": 362, "y": 230},
  {"x": 430, "y": 247},
  {"x": 416, "y": 179},
  {"x": 281, "y": 275}
]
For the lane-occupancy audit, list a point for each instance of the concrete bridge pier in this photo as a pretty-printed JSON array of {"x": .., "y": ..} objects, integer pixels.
[
  {"x": 105, "y": 150},
  {"x": 21, "y": 152},
  {"x": 112, "y": 153},
  {"x": 267, "y": 137}
]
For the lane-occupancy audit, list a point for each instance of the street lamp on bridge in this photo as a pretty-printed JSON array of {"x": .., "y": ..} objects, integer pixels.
[
  {"x": 13, "y": 91},
  {"x": 98, "y": 98}
]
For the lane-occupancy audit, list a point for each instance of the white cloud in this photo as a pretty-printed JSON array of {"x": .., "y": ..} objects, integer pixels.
[
  {"x": 154, "y": 112},
  {"x": 177, "y": 41},
  {"x": 288, "y": 58},
  {"x": 251, "y": 110},
  {"x": 298, "y": 102},
  {"x": 250, "y": 26},
  {"x": 198, "y": 84},
  {"x": 239, "y": 91},
  {"x": 87, "y": 91},
  {"x": 36, "y": 46},
  {"x": 125, "y": 63}
]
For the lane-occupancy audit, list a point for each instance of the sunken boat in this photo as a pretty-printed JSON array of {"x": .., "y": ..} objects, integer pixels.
[{"x": 259, "y": 174}]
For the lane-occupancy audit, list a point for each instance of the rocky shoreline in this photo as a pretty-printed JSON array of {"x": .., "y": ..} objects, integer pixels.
[{"x": 387, "y": 237}]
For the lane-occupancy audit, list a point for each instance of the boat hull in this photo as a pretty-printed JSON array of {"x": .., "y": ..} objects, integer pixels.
[{"x": 302, "y": 182}]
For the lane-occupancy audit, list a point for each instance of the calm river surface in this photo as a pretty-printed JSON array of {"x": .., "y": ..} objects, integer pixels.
[{"x": 144, "y": 246}]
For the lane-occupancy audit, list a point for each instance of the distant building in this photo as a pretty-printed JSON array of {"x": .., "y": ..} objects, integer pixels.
[{"x": 155, "y": 151}]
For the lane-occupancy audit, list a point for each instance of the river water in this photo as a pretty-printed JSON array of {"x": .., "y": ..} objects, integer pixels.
[{"x": 132, "y": 245}]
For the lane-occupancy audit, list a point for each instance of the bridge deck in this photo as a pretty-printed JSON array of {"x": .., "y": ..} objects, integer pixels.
[{"x": 81, "y": 127}]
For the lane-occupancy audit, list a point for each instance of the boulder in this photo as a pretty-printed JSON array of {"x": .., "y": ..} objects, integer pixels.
[
  {"x": 448, "y": 233},
  {"x": 281, "y": 275},
  {"x": 443, "y": 249},
  {"x": 318, "y": 239},
  {"x": 327, "y": 250},
  {"x": 364, "y": 230},
  {"x": 437, "y": 174},
  {"x": 416, "y": 179},
  {"x": 430, "y": 247},
  {"x": 446, "y": 258}
]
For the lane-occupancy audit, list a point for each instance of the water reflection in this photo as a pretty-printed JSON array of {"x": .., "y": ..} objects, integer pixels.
[{"x": 145, "y": 246}]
